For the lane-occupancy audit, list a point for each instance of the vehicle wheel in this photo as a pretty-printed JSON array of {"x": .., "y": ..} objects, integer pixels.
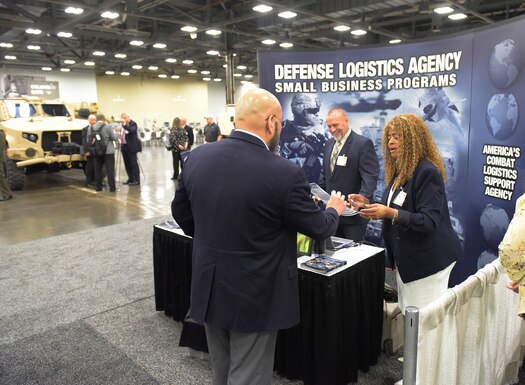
[{"x": 15, "y": 176}]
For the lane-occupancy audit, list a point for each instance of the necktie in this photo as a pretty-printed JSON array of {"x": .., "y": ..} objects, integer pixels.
[{"x": 335, "y": 153}]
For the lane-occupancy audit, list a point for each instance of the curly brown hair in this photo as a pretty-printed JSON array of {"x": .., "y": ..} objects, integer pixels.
[{"x": 416, "y": 143}]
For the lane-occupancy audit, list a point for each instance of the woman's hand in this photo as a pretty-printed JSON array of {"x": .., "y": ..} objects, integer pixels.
[
  {"x": 357, "y": 201},
  {"x": 375, "y": 211}
]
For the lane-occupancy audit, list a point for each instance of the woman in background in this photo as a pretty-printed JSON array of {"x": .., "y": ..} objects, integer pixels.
[
  {"x": 178, "y": 139},
  {"x": 512, "y": 253},
  {"x": 418, "y": 234}
]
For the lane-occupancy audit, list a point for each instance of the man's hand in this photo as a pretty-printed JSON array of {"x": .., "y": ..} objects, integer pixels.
[{"x": 337, "y": 202}]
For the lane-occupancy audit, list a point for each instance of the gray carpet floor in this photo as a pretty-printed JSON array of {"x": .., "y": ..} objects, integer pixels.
[{"x": 80, "y": 309}]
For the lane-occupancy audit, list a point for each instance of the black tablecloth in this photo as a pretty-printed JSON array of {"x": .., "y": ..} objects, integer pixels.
[{"x": 341, "y": 315}]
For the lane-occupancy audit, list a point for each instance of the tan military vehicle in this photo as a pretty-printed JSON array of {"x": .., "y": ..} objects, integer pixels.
[{"x": 41, "y": 135}]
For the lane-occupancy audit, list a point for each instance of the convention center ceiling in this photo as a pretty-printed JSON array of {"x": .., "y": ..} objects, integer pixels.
[{"x": 181, "y": 38}]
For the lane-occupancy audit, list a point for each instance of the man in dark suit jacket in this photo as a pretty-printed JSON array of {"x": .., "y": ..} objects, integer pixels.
[
  {"x": 350, "y": 165},
  {"x": 84, "y": 150},
  {"x": 244, "y": 205},
  {"x": 189, "y": 131},
  {"x": 130, "y": 146}
]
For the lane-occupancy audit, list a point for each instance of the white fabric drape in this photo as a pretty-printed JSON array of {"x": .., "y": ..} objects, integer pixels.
[{"x": 471, "y": 334}]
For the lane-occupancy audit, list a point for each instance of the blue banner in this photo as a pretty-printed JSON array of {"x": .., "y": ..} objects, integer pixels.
[{"x": 467, "y": 88}]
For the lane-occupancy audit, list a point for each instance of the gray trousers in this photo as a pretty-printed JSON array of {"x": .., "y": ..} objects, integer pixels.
[{"x": 241, "y": 358}]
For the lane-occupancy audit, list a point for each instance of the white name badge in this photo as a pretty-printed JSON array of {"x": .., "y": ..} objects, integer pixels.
[
  {"x": 341, "y": 160},
  {"x": 400, "y": 198}
]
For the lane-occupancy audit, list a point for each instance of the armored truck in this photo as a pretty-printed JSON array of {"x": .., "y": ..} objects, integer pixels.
[{"x": 42, "y": 135}]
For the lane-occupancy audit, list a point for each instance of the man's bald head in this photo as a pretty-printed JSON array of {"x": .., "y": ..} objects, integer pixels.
[
  {"x": 253, "y": 109},
  {"x": 260, "y": 112},
  {"x": 92, "y": 119}
]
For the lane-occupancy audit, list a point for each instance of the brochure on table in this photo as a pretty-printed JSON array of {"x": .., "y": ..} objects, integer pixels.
[{"x": 352, "y": 256}]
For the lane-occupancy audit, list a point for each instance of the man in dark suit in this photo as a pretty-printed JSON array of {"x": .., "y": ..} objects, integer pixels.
[
  {"x": 189, "y": 131},
  {"x": 244, "y": 205},
  {"x": 130, "y": 146},
  {"x": 84, "y": 150},
  {"x": 350, "y": 165}
]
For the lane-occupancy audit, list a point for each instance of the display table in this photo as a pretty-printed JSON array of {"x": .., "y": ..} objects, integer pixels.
[{"x": 341, "y": 314}]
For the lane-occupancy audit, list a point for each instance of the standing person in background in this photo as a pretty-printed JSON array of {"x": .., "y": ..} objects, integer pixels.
[
  {"x": 212, "y": 132},
  {"x": 84, "y": 150},
  {"x": 244, "y": 285},
  {"x": 419, "y": 237},
  {"x": 512, "y": 253},
  {"x": 5, "y": 190},
  {"x": 129, "y": 144},
  {"x": 178, "y": 139},
  {"x": 108, "y": 159},
  {"x": 350, "y": 165},
  {"x": 189, "y": 131}
]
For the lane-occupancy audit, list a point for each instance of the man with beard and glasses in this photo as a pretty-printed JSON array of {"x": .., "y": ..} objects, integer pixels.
[
  {"x": 243, "y": 205},
  {"x": 303, "y": 138}
]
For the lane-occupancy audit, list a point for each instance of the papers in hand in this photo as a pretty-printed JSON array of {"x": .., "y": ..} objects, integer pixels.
[{"x": 324, "y": 196}]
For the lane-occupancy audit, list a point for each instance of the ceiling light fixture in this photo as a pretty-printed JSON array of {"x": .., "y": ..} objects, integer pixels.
[
  {"x": 205, "y": 72},
  {"x": 65, "y": 69},
  {"x": 6, "y": 45},
  {"x": 89, "y": 63},
  {"x": 342, "y": 28},
  {"x": 287, "y": 14},
  {"x": 121, "y": 55},
  {"x": 237, "y": 75},
  {"x": 163, "y": 76},
  {"x": 262, "y": 8},
  {"x": 159, "y": 45},
  {"x": 206, "y": 79},
  {"x": 99, "y": 53},
  {"x": 358, "y": 32},
  {"x": 217, "y": 80},
  {"x": 10, "y": 57},
  {"x": 69, "y": 61},
  {"x": 192, "y": 71},
  {"x": 212, "y": 52},
  {"x": 125, "y": 73},
  {"x": 213, "y": 32},
  {"x": 136, "y": 42},
  {"x": 175, "y": 76},
  {"x": 241, "y": 67},
  {"x": 64, "y": 34},
  {"x": 187, "y": 62},
  {"x": 457, "y": 16},
  {"x": 74, "y": 10},
  {"x": 395, "y": 41},
  {"x": 443, "y": 10},
  {"x": 109, "y": 15},
  {"x": 189, "y": 28},
  {"x": 269, "y": 41},
  {"x": 248, "y": 76},
  {"x": 110, "y": 72},
  {"x": 153, "y": 68},
  {"x": 33, "y": 31},
  {"x": 46, "y": 68},
  {"x": 33, "y": 47},
  {"x": 171, "y": 60},
  {"x": 136, "y": 67},
  {"x": 286, "y": 45}
]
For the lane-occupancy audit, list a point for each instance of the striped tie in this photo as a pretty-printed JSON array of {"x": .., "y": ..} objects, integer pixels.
[{"x": 335, "y": 153}]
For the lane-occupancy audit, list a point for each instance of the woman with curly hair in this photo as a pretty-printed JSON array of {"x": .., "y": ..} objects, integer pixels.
[
  {"x": 178, "y": 139},
  {"x": 419, "y": 237}
]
